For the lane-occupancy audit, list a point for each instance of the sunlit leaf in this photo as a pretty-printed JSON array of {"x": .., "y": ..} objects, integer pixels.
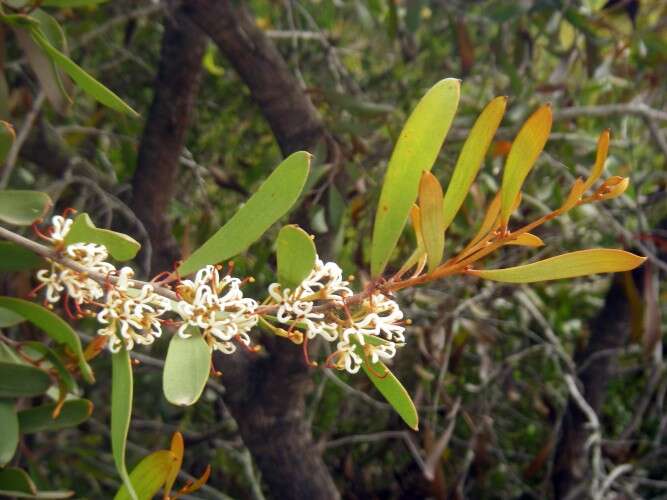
[
  {"x": 527, "y": 240},
  {"x": 120, "y": 246},
  {"x": 569, "y": 265},
  {"x": 600, "y": 158},
  {"x": 22, "y": 381},
  {"x": 121, "y": 412},
  {"x": 416, "y": 150},
  {"x": 489, "y": 223},
  {"x": 471, "y": 156},
  {"x": 149, "y": 475},
  {"x": 574, "y": 196},
  {"x": 295, "y": 254},
  {"x": 186, "y": 368},
  {"x": 22, "y": 208},
  {"x": 84, "y": 81},
  {"x": 53, "y": 325},
  {"x": 612, "y": 188},
  {"x": 40, "y": 418},
  {"x": 526, "y": 148},
  {"x": 391, "y": 388},
  {"x": 9, "y": 424},
  {"x": 432, "y": 219},
  {"x": 177, "y": 449},
  {"x": 7, "y": 138},
  {"x": 16, "y": 258},
  {"x": 270, "y": 202}
]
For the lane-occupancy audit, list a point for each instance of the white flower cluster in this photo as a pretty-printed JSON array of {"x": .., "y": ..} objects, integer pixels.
[
  {"x": 131, "y": 311},
  {"x": 136, "y": 314},
  {"x": 78, "y": 286},
  {"x": 217, "y": 306},
  {"x": 375, "y": 326}
]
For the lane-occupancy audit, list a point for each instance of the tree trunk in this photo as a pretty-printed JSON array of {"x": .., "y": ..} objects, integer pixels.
[{"x": 154, "y": 182}]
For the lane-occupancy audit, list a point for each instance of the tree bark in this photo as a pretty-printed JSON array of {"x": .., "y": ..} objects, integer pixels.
[
  {"x": 291, "y": 115},
  {"x": 154, "y": 182},
  {"x": 266, "y": 394}
]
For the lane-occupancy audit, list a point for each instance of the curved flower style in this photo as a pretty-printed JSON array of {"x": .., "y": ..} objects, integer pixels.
[
  {"x": 296, "y": 307},
  {"x": 137, "y": 316},
  {"x": 384, "y": 319},
  {"x": 217, "y": 306}
]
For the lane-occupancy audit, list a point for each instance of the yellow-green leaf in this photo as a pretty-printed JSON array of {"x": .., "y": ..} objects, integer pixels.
[
  {"x": 416, "y": 150},
  {"x": 40, "y": 418},
  {"x": 526, "y": 148},
  {"x": 121, "y": 413},
  {"x": 270, "y": 202},
  {"x": 489, "y": 223},
  {"x": 121, "y": 246},
  {"x": 149, "y": 475},
  {"x": 177, "y": 449},
  {"x": 295, "y": 255},
  {"x": 573, "y": 198},
  {"x": 600, "y": 158},
  {"x": 527, "y": 240},
  {"x": 432, "y": 218},
  {"x": 9, "y": 424},
  {"x": 186, "y": 368},
  {"x": 569, "y": 265},
  {"x": 471, "y": 156}
]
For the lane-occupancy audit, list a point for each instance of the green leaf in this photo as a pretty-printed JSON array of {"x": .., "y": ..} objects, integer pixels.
[
  {"x": 120, "y": 246},
  {"x": 270, "y": 202},
  {"x": 186, "y": 368},
  {"x": 9, "y": 424},
  {"x": 54, "y": 326},
  {"x": 569, "y": 265},
  {"x": 22, "y": 380},
  {"x": 43, "y": 352},
  {"x": 22, "y": 208},
  {"x": 295, "y": 256},
  {"x": 9, "y": 318},
  {"x": 416, "y": 150},
  {"x": 392, "y": 390},
  {"x": 85, "y": 82},
  {"x": 471, "y": 156},
  {"x": 16, "y": 483},
  {"x": 431, "y": 215},
  {"x": 525, "y": 150},
  {"x": 40, "y": 418},
  {"x": 7, "y": 138},
  {"x": 121, "y": 412},
  {"x": 149, "y": 475},
  {"x": 16, "y": 258}
]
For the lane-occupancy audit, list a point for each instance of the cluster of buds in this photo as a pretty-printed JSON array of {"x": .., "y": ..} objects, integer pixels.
[{"x": 131, "y": 312}]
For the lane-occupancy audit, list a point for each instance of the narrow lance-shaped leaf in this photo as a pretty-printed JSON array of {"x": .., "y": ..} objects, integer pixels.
[
  {"x": 53, "y": 325},
  {"x": 149, "y": 475},
  {"x": 177, "y": 448},
  {"x": 432, "y": 218},
  {"x": 471, "y": 156},
  {"x": 489, "y": 223},
  {"x": 389, "y": 386},
  {"x": 22, "y": 208},
  {"x": 270, "y": 202},
  {"x": 186, "y": 368},
  {"x": 527, "y": 240},
  {"x": 600, "y": 159},
  {"x": 121, "y": 412},
  {"x": 85, "y": 82},
  {"x": 295, "y": 255},
  {"x": 7, "y": 138},
  {"x": 416, "y": 150},
  {"x": 22, "y": 380},
  {"x": 9, "y": 424},
  {"x": 569, "y": 265},
  {"x": 526, "y": 148},
  {"x": 121, "y": 246},
  {"x": 40, "y": 418}
]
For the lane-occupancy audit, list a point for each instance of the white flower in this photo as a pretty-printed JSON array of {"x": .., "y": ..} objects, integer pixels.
[
  {"x": 347, "y": 357},
  {"x": 60, "y": 226},
  {"x": 136, "y": 315},
  {"x": 296, "y": 307},
  {"x": 216, "y": 306},
  {"x": 383, "y": 319}
]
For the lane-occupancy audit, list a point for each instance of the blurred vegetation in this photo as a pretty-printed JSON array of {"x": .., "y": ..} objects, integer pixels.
[{"x": 501, "y": 351}]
